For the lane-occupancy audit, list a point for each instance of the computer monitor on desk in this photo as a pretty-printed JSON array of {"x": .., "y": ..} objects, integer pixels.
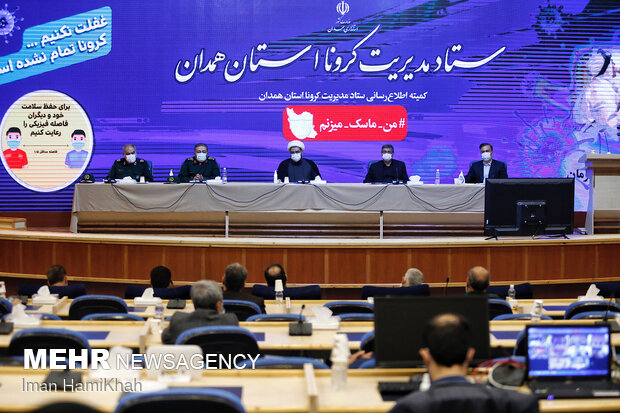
[{"x": 399, "y": 322}]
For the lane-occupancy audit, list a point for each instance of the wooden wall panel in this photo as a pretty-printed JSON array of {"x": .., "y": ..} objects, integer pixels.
[
  {"x": 257, "y": 259},
  {"x": 74, "y": 257},
  {"x": 462, "y": 259},
  {"x": 507, "y": 264},
  {"x": 307, "y": 265},
  {"x": 108, "y": 260},
  {"x": 609, "y": 260},
  {"x": 433, "y": 262},
  {"x": 544, "y": 263},
  {"x": 348, "y": 266},
  {"x": 387, "y": 265},
  {"x": 10, "y": 258},
  {"x": 185, "y": 263},
  {"x": 141, "y": 259},
  {"x": 580, "y": 261},
  {"x": 217, "y": 259},
  {"x": 37, "y": 256}
]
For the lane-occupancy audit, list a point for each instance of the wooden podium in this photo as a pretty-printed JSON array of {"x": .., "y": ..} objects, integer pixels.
[{"x": 603, "y": 172}]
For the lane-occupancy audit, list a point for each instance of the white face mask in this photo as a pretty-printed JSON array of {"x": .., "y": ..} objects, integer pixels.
[
  {"x": 201, "y": 156},
  {"x": 486, "y": 156},
  {"x": 130, "y": 158},
  {"x": 387, "y": 157},
  {"x": 296, "y": 157}
]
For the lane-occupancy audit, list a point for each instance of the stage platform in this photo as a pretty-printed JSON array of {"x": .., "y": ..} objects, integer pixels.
[{"x": 333, "y": 263}]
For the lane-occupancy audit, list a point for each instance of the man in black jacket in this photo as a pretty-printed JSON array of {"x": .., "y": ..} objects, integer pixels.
[
  {"x": 447, "y": 350},
  {"x": 486, "y": 168},
  {"x": 388, "y": 169},
  {"x": 234, "y": 280}
]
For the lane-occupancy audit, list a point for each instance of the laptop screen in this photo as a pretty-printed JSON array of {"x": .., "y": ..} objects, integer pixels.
[{"x": 568, "y": 351}]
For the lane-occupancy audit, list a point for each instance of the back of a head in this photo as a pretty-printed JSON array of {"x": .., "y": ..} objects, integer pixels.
[
  {"x": 479, "y": 279},
  {"x": 205, "y": 294},
  {"x": 161, "y": 277},
  {"x": 275, "y": 272},
  {"x": 413, "y": 277},
  {"x": 235, "y": 276},
  {"x": 448, "y": 338},
  {"x": 56, "y": 274}
]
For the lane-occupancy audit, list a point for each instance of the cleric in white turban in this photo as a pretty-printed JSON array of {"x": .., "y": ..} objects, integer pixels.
[{"x": 297, "y": 168}]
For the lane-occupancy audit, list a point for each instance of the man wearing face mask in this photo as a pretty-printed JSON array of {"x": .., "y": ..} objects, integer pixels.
[
  {"x": 200, "y": 166},
  {"x": 486, "y": 168},
  {"x": 388, "y": 170},
  {"x": 296, "y": 168},
  {"x": 130, "y": 165}
]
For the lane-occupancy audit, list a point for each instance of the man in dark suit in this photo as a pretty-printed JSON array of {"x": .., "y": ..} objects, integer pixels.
[
  {"x": 478, "y": 280},
  {"x": 209, "y": 311},
  {"x": 486, "y": 168},
  {"x": 447, "y": 350},
  {"x": 388, "y": 169},
  {"x": 234, "y": 280}
]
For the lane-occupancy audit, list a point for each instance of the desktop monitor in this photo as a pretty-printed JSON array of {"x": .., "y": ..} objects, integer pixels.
[
  {"x": 399, "y": 322},
  {"x": 529, "y": 206}
]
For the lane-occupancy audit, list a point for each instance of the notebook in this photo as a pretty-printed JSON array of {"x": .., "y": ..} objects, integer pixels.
[{"x": 572, "y": 361}]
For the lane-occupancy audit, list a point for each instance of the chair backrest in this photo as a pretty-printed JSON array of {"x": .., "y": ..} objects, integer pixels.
[
  {"x": 498, "y": 307},
  {"x": 307, "y": 292},
  {"x": 367, "y": 343},
  {"x": 69, "y": 291},
  {"x": 63, "y": 407},
  {"x": 133, "y": 291},
  {"x": 523, "y": 291},
  {"x": 5, "y": 307},
  {"x": 519, "y": 317},
  {"x": 226, "y": 340},
  {"x": 341, "y": 307},
  {"x": 374, "y": 291},
  {"x": 150, "y": 164},
  {"x": 595, "y": 315},
  {"x": 275, "y": 317},
  {"x": 112, "y": 317},
  {"x": 584, "y": 306},
  {"x": 46, "y": 339},
  {"x": 607, "y": 289},
  {"x": 91, "y": 304},
  {"x": 198, "y": 400},
  {"x": 283, "y": 362},
  {"x": 242, "y": 309},
  {"x": 173, "y": 354},
  {"x": 521, "y": 345},
  {"x": 356, "y": 317}
]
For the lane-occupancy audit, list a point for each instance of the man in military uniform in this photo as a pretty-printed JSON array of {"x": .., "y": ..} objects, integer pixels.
[
  {"x": 200, "y": 166},
  {"x": 130, "y": 165}
]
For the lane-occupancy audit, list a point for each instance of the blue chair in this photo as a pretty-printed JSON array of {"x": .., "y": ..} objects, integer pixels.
[
  {"x": 342, "y": 307},
  {"x": 63, "y": 407},
  {"x": 69, "y": 291},
  {"x": 519, "y": 317},
  {"x": 196, "y": 400},
  {"x": 242, "y": 309},
  {"x": 275, "y": 317},
  {"x": 5, "y": 306},
  {"x": 370, "y": 363},
  {"x": 308, "y": 292},
  {"x": 498, "y": 307},
  {"x": 608, "y": 289},
  {"x": 367, "y": 343},
  {"x": 112, "y": 317},
  {"x": 373, "y": 291},
  {"x": 356, "y": 317},
  {"x": 46, "y": 339},
  {"x": 595, "y": 315},
  {"x": 586, "y": 306},
  {"x": 521, "y": 345},
  {"x": 523, "y": 291},
  {"x": 226, "y": 340},
  {"x": 182, "y": 292},
  {"x": 281, "y": 362},
  {"x": 92, "y": 304}
]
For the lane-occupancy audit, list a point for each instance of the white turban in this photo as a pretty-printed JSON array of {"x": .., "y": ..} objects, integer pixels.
[{"x": 299, "y": 144}]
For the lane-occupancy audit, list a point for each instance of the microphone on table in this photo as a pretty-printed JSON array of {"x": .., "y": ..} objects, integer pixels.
[
  {"x": 446, "y": 287},
  {"x": 300, "y": 328}
]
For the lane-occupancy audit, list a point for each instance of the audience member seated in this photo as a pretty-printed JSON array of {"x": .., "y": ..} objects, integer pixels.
[
  {"x": 275, "y": 272},
  {"x": 234, "y": 280},
  {"x": 446, "y": 351},
  {"x": 209, "y": 311},
  {"x": 412, "y": 277},
  {"x": 161, "y": 281},
  {"x": 478, "y": 279},
  {"x": 58, "y": 282},
  {"x": 411, "y": 284}
]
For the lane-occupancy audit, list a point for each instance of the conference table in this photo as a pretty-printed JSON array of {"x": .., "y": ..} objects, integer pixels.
[{"x": 225, "y": 203}]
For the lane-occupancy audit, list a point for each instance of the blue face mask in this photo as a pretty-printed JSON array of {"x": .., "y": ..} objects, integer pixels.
[
  {"x": 79, "y": 145},
  {"x": 13, "y": 144}
]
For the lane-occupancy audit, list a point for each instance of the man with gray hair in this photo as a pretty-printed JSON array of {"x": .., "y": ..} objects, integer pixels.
[
  {"x": 130, "y": 166},
  {"x": 388, "y": 169},
  {"x": 208, "y": 311},
  {"x": 412, "y": 277},
  {"x": 478, "y": 280},
  {"x": 234, "y": 280}
]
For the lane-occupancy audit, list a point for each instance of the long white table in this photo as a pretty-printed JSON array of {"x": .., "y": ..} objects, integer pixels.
[{"x": 380, "y": 204}]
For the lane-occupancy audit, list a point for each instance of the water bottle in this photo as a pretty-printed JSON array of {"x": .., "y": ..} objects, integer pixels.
[
  {"x": 159, "y": 310},
  {"x": 224, "y": 175},
  {"x": 279, "y": 297},
  {"x": 340, "y": 362},
  {"x": 437, "y": 177},
  {"x": 512, "y": 293},
  {"x": 275, "y": 177}
]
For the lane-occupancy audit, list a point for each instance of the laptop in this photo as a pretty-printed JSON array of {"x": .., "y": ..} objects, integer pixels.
[{"x": 571, "y": 361}]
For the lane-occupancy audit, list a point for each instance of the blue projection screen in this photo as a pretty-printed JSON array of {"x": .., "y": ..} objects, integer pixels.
[{"x": 538, "y": 79}]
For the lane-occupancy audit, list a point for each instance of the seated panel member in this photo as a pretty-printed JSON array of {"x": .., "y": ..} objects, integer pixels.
[
  {"x": 388, "y": 169},
  {"x": 130, "y": 165},
  {"x": 486, "y": 168},
  {"x": 200, "y": 166},
  {"x": 296, "y": 168},
  {"x": 447, "y": 349}
]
